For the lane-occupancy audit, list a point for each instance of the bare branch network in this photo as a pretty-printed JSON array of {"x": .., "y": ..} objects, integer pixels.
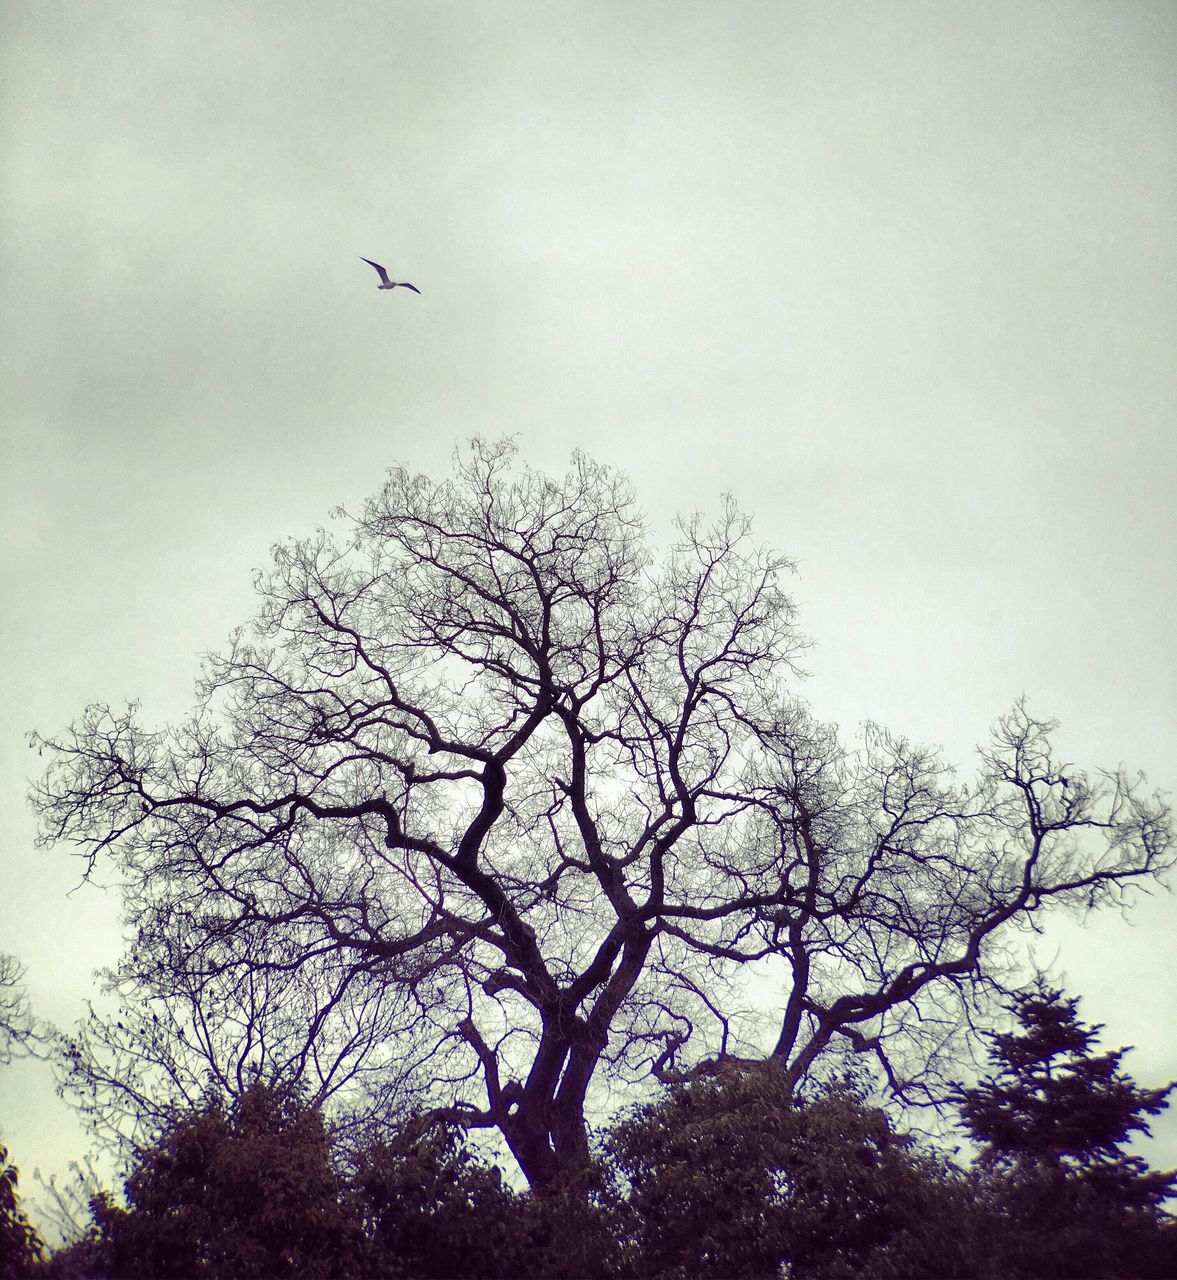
[
  {"x": 21, "y": 1034},
  {"x": 489, "y": 805}
]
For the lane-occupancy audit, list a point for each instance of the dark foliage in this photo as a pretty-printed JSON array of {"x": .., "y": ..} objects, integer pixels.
[
  {"x": 436, "y": 1212},
  {"x": 728, "y": 1175},
  {"x": 1054, "y": 1120},
  {"x": 20, "y": 1246},
  {"x": 247, "y": 1191},
  {"x": 731, "y": 1176}
]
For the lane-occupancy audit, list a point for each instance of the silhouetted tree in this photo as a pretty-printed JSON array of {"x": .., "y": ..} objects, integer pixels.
[
  {"x": 433, "y": 1211},
  {"x": 733, "y": 1176},
  {"x": 1054, "y": 1119},
  {"x": 255, "y": 1188},
  {"x": 20, "y": 1246},
  {"x": 436, "y": 1212},
  {"x": 169, "y": 1043},
  {"x": 21, "y": 1035},
  {"x": 484, "y": 763},
  {"x": 247, "y": 1191}
]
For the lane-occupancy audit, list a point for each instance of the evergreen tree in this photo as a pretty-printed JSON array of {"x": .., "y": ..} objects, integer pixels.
[{"x": 1054, "y": 1120}]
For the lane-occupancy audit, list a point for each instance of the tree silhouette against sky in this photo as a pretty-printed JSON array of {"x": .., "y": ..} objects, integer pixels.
[
  {"x": 1054, "y": 1118},
  {"x": 536, "y": 806}
]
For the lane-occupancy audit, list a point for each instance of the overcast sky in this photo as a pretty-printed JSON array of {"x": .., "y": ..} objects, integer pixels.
[{"x": 899, "y": 276}]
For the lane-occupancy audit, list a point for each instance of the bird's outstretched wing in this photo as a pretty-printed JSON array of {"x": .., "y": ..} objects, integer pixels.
[
  {"x": 404, "y": 284},
  {"x": 383, "y": 273}
]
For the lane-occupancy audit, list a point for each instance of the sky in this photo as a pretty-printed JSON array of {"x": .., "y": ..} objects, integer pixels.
[{"x": 900, "y": 276}]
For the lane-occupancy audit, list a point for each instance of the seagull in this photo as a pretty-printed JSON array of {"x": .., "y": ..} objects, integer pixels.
[{"x": 385, "y": 282}]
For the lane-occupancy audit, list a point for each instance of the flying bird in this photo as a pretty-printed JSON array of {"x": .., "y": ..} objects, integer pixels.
[{"x": 385, "y": 282}]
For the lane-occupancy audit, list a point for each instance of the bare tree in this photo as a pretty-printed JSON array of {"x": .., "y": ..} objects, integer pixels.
[
  {"x": 169, "y": 1038},
  {"x": 559, "y": 801},
  {"x": 21, "y": 1033}
]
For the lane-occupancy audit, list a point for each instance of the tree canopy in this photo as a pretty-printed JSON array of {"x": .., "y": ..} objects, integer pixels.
[
  {"x": 731, "y": 1175},
  {"x": 244, "y": 1189},
  {"x": 516, "y": 808},
  {"x": 728, "y": 1174}
]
